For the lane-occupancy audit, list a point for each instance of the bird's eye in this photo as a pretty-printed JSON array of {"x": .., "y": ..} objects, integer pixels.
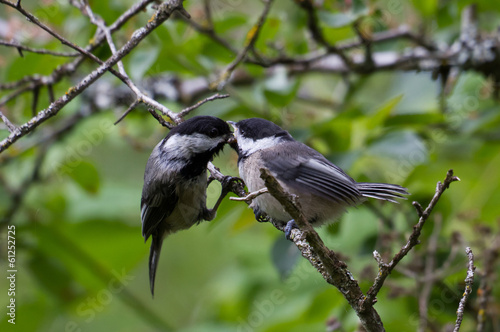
[{"x": 213, "y": 133}]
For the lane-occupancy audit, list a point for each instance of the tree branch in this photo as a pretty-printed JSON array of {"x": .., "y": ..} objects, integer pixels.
[
  {"x": 36, "y": 50},
  {"x": 162, "y": 14},
  {"x": 488, "y": 276},
  {"x": 469, "y": 281},
  {"x": 386, "y": 269},
  {"x": 70, "y": 67},
  {"x": 187, "y": 110},
  {"x": 141, "y": 97},
  {"x": 317, "y": 33},
  {"x": 237, "y": 187},
  {"x": 251, "y": 196},
  {"x": 251, "y": 38},
  {"x": 129, "y": 109},
  {"x": 7, "y": 122},
  {"x": 430, "y": 268},
  {"x": 333, "y": 270}
]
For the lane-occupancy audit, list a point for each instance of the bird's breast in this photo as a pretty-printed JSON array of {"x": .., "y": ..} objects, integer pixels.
[{"x": 192, "y": 200}]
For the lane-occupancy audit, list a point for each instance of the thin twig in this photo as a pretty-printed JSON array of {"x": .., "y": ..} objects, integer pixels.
[
  {"x": 469, "y": 281},
  {"x": 34, "y": 102},
  {"x": 14, "y": 94},
  {"x": 208, "y": 13},
  {"x": 17, "y": 196},
  {"x": 121, "y": 75},
  {"x": 251, "y": 38},
  {"x": 369, "y": 64},
  {"x": 99, "y": 22},
  {"x": 210, "y": 32},
  {"x": 160, "y": 119},
  {"x": 401, "y": 32},
  {"x": 129, "y": 109},
  {"x": 68, "y": 68},
  {"x": 50, "y": 91},
  {"x": 53, "y": 133},
  {"x": 425, "y": 287},
  {"x": 141, "y": 96},
  {"x": 37, "y": 50},
  {"x": 237, "y": 187},
  {"x": 162, "y": 14},
  {"x": 488, "y": 275},
  {"x": 18, "y": 83},
  {"x": 186, "y": 111},
  {"x": 248, "y": 198},
  {"x": 386, "y": 269},
  {"x": 33, "y": 19},
  {"x": 7, "y": 122},
  {"x": 317, "y": 33}
]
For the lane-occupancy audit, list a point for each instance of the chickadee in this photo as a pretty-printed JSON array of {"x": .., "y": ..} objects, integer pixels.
[
  {"x": 175, "y": 181},
  {"x": 323, "y": 189}
]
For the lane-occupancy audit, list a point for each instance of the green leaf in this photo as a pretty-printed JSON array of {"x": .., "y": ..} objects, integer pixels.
[
  {"x": 414, "y": 119},
  {"x": 336, "y": 20},
  {"x": 280, "y": 90},
  {"x": 85, "y": 174},
  {"x": 404, "y": 145},
  {"x": 52, "y": 275},
  {"x": 342, "y": 19},
  {"x": 426, "y": 7},
  {"x": 141, "y": 60},
  {"x": 269, "y": 30},
  {"x": 230, "y": 22},
  {"x": 359, "y": 7},
  {"x": 382, "y": 113},
  {"x": 285, "y": 255},
  {"x": 280, "y": 99}
]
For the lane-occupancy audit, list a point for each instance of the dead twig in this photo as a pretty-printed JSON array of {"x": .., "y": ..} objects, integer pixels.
[
  {"x": 384, "y": 268},
  {"x": 469, "y": 281}
]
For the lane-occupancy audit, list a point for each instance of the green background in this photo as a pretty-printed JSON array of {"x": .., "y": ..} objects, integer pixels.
[{"x": 81, "y": 260}]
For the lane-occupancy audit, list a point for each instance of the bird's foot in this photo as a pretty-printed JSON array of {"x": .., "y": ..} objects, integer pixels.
[
  {"x": 288, "y": 229},
  {"x": 260, "y": 216},
  {"x": 228, "y": 183}
]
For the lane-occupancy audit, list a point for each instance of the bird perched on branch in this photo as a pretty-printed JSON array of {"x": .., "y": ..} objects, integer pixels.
[
  {"x": 323, "y": 189},
  {"x": 175, "y": 181}
]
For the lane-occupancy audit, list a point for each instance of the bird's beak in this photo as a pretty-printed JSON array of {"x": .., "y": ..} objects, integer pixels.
[
  {"x": 233, "y": 124},
  {"x": 235, "y": 128},
  {"x": 231, "y": 140}
]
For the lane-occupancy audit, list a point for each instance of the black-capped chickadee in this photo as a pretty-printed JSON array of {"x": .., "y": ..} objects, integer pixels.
[
  {"x": 175, "y": 181},
  {"x": 324, "y": 190}
]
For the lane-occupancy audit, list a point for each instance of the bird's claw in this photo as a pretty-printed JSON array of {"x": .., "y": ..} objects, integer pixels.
[
  {"x": 261, "y": 216},
  {"x": 228, "y": 183},
  {"x": 288, "y": 229}
]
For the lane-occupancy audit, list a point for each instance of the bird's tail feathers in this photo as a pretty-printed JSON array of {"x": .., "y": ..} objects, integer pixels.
[
  {"x": 382, "y": 191},
  {"x": 154, "y": 257}
]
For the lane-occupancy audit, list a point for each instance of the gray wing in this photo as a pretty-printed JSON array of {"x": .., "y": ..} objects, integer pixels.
[
  {"x": 157, "y": 202},
  {"x": 303, "y": 168}
]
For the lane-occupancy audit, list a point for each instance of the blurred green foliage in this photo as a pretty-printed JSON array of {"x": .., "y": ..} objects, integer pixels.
[{"x": 82, "y": 263}]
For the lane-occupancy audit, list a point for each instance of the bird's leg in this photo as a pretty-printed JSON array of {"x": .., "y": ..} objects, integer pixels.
[
  {"x": 288, "y": 228},
  {"x": 209, "y": 214}
]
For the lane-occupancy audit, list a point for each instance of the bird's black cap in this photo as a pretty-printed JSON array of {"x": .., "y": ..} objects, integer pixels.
[
  {"x": 203, "y": 124},
  {"x": 257, "y": 128}
]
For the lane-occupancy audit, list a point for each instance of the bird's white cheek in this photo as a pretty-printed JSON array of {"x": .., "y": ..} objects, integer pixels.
[
  {"x": 184, "y": 146},
  {"x": 249, "y": 146},
  {"x": 245, "y": 144}
]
